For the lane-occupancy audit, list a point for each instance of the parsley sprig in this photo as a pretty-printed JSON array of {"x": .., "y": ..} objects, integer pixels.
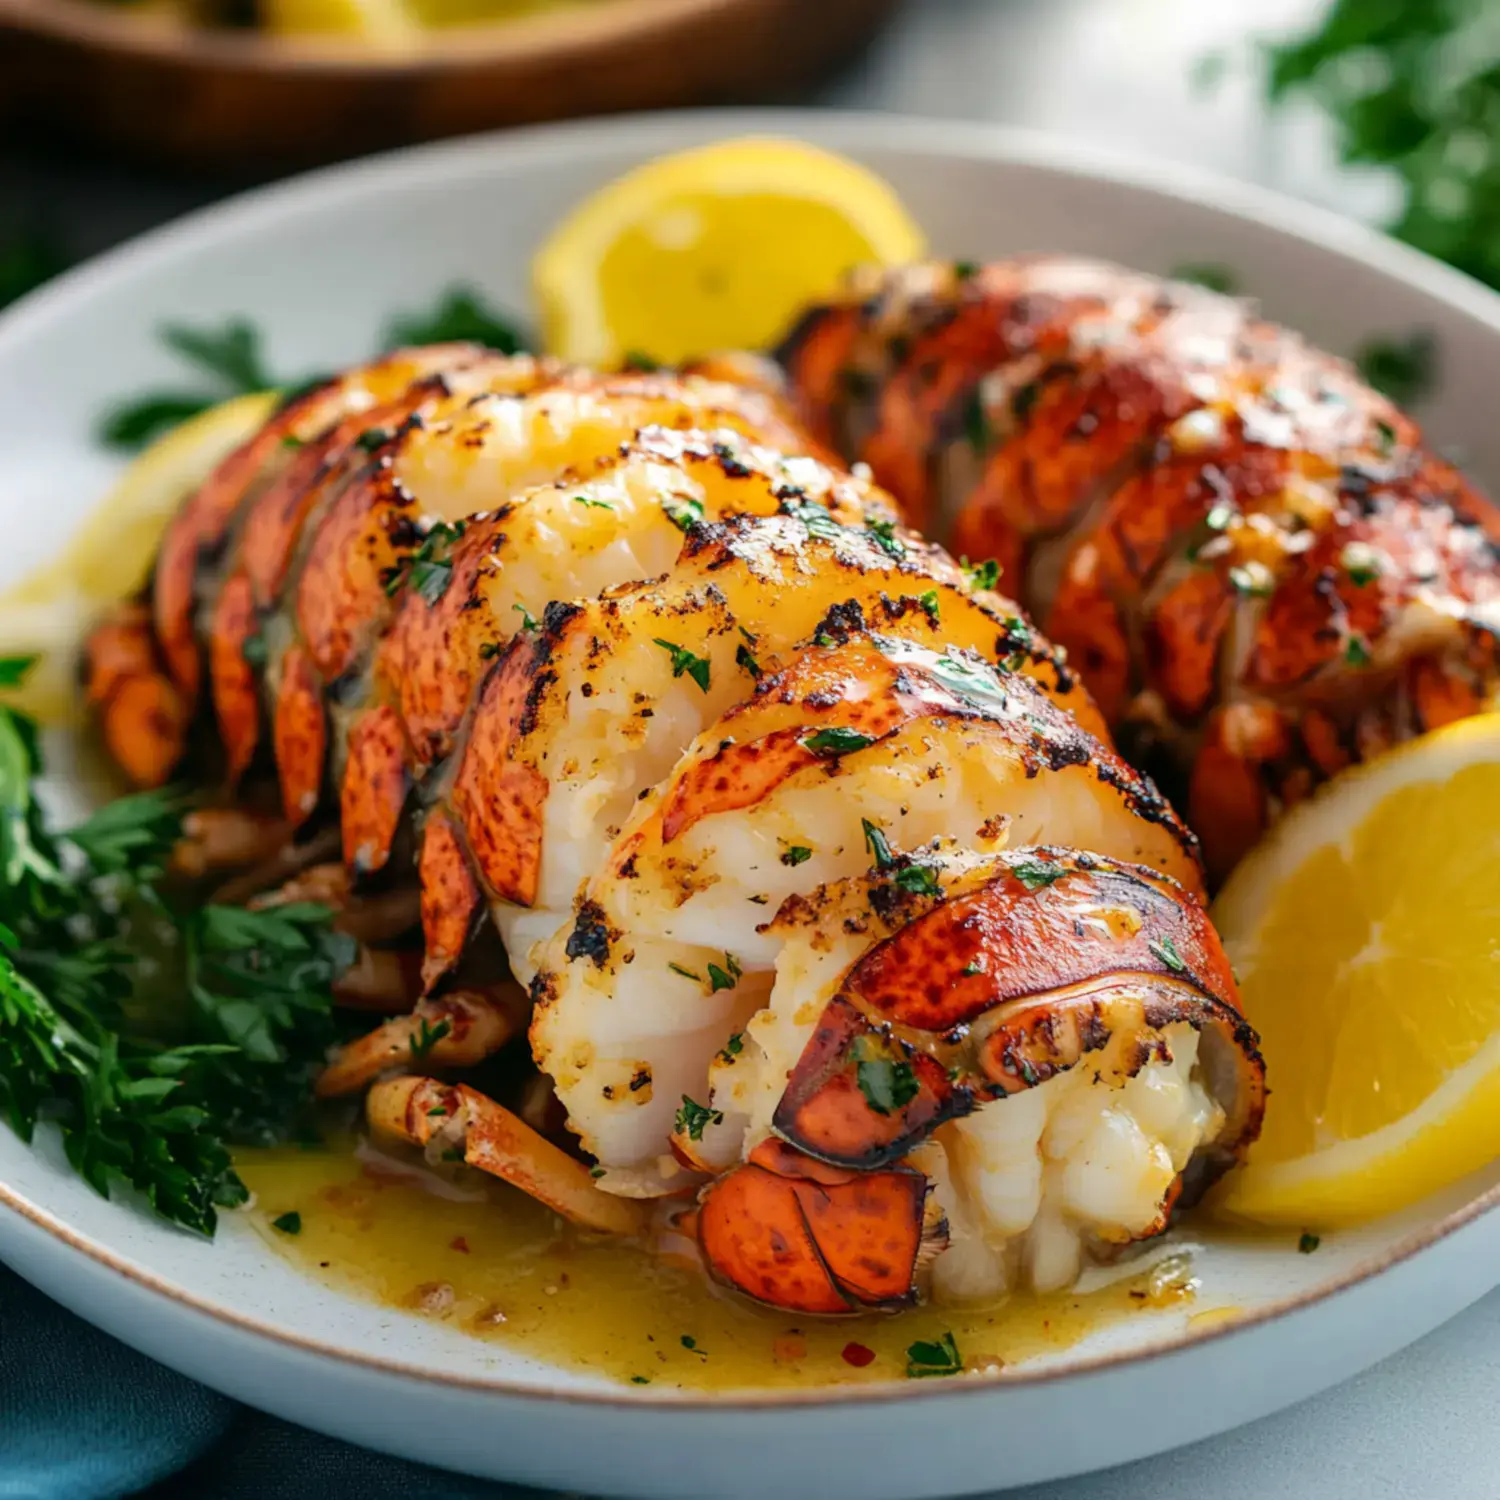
[{"x": 143, "y": 1098}]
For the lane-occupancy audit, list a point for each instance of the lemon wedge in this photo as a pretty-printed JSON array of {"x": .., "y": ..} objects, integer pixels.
[
  {"x": 1366, "y": 933},
  {"x": 46, "y": 614},
  {"x": 382, "y": 22},
  {"x": 711, "y": 249}
]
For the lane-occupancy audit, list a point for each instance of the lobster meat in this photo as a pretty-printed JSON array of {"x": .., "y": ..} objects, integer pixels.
[
  {"x": 1258, "y": 567},
  {"x": 848, "y": 934}
]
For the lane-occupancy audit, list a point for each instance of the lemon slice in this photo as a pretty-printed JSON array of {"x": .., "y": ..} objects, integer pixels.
[
  {"x": 383, "y": 22},
  {"x": 711, "y": 249},
  {"x": 1366, "y": 933},
  {"x": 46, "y": 614}
]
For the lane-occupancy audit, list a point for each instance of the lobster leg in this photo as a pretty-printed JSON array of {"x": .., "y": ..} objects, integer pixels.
[
  {"x": 472, "y": 1128},
  {"x": 455, "y": 1031}
]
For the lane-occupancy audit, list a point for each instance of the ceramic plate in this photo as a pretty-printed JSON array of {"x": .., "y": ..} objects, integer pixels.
[{"x": 320, "y": 264}]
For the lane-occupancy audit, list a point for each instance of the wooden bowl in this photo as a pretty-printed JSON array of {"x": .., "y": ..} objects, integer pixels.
[{"x": 249, "y": 101}]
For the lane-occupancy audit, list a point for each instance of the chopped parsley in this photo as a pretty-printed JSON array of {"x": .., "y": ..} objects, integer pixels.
[
  {"x": 929, "y": 603},
  {"x": 1036, "y": 874},
  {"x": 1357, "y": 651},
  {"x": 814, "y": 518},
  {"x": 291, "y": 1223},
  {"x": 878, "y": 845},
  {"x": 682, "y": 511},
  {"x": 924, "y": 1359},
  {"x": 1362, "y": 563},
  {"x": 1403, "y": 369},
  {"x": 1166, "y": 950},
  {"x": 745, "y": 658},
  {"x": 887, "y": 1084},
  {"x": 797, "y": 854},
  {"x": 732, "y": 1048},
  {"x": 374, "y": 437},
  {"x": 528, "y": 620},
  {"x": 725, "y": 978},
  {"x": 686, "y": 973},
  {"x": 976, "y": 422},
  {"x": 428, "y": 1037},
  {"x": 428, "y": 572},
  {"x": 918, "y": 880},
  {"x": 1308, "y": 1242},
  {"x": 1216, "y": 278},
  {"x": 692, "y": 1119},
  {"x": 460, "y": 316},
  {"x": 591, "y": 503},
  {"x": 983, "y": 575},
  {"x": 837, "y": 741},
  {"x": 885, "y": 536},
  {"x": 685, "y": 662},
  {"x": 253, "y": 650}
]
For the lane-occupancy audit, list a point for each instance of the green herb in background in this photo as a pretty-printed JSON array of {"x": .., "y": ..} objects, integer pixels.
[
  {"x": 460, "y": 316},
  {"x": 227, "y": 361},
  {"x": 1413, "y": 86},
  {"x": 140, "y": 1097},
  {"x": 26, "y": 261}
]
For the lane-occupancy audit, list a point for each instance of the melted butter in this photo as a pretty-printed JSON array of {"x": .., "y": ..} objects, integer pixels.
[{"x": 501, "y": 1267}]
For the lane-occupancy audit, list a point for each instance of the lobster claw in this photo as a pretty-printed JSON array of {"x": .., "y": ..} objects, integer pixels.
[{"x": 798, "y": 1234}]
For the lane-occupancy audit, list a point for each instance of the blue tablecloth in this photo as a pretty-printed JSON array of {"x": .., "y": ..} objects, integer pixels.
[{"x": 84, "y": 1418}]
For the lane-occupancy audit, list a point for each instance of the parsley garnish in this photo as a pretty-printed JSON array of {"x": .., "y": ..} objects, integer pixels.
[
  {"x": 887, "y": 1085},
  {"x": 965, "y": 270},
  {"x": 983, "y": 575},
  {"x": 1362, "y": 563},
  {"x": 885, "y": 536},
  {"x": 253, "y": 650},
  {"x": 692, "y": 1120},
  {"x": 929, "y": 603},
  {"x": 1166, "y": 950},
  {"x": 528, "y": 620},
  {"x": 918, "y": 880},
  {"x": 460, "y": 316},
  {"x": 228, "y": 362},
  {"x": 940, "y": 1358},
  {"x": 288, "y": 1223},
  {"x": 686, "y": 973},
  {"x": 374, "y": 437},
  {"x": 1357, "y": 651},
  {"x": 1403, "y": 369},
  {"x": 428, "y": 1037},
  {"x": 1308, "y": 1242},
  {"x": 141, "y": 1103},
  {"x": 682, "y": 511},
  {"x": 744, "y": 658},
  {"x": 725, "y": 978},
  {"x": 592, "y": 503},
  {"x": 428, "y": 573},
  {"x": 837, "y": 741},
  {"x": 797, "y": 854},
  {"x": 817, "y": 521},
  {"x": 976, "y": 422},
  {"x": 684, "y": 661},
  {"x": 877, "y": 843},
  {"x": 732, "y": 1048},
  {"x": 1215, "y": 278},
  {"x": 1035, "y": 874}
]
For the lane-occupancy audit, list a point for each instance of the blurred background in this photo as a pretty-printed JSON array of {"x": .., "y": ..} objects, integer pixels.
[{"x": 116, "y": 115}]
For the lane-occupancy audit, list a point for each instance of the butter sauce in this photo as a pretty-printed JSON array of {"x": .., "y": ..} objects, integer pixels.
[{"x": 491, "y": 1262}]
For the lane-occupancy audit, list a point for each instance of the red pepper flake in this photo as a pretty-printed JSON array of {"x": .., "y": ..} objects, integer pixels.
[
  {"x": 459, "y": 1243},
  {"x": 858, "y": 1355}
]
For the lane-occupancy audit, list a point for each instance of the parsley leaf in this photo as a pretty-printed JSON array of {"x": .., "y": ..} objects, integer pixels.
[
  {"x": 685, "y": 662},
  {"x": 837, "y": 741},
  {"x": 888, "y": 1084},
  {"x": 725, "y": 978},
  {"x": 984, "y": 575},
  {"x": 796, "y": 854},
  {"x": 941, "y": 1358},
  {"x": 693, "y": 1119},
  {"x": 877, "y": 843},
  {"x": 1166, "y": 950},
  {"x": 460, "y": 316},
  {"x": 1036, "y": 874}
]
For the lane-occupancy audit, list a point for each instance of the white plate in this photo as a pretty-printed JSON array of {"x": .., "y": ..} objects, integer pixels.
[{"x": 320, "y": 263}]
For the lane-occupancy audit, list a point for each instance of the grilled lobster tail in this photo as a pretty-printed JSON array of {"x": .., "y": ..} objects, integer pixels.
[
  {"x": 1261, "y": 572},
  {"x": 626, "y": 668}
]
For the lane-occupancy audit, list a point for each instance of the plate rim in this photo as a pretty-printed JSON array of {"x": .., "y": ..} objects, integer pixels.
[{"x": 648, "y": 133}]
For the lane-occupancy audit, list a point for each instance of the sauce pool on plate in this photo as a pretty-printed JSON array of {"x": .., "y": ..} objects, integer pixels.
[{"x": 497, "y": 1265}]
